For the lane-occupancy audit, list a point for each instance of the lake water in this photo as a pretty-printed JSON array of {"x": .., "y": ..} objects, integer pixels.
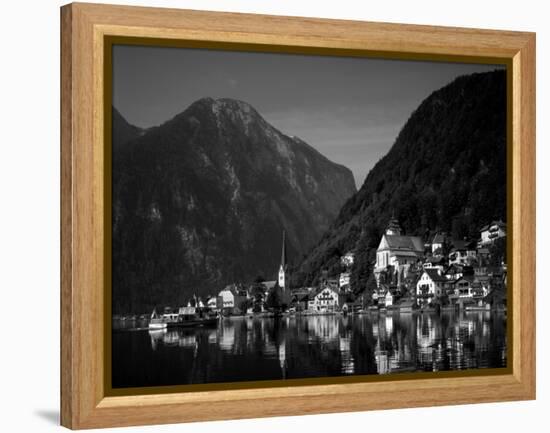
[{"x": 245, "y": 349}]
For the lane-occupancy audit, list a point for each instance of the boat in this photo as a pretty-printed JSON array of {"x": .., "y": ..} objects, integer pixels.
[
  {"x": 157, "y": 322},
  {"x": 195, "y": 322}
]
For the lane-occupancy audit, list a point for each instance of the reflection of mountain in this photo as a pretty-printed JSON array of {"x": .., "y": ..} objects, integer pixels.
[{"x": 200, "y": 202}]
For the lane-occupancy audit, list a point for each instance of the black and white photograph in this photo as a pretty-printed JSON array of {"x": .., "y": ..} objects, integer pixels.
[{"x": 289, "y": 216}]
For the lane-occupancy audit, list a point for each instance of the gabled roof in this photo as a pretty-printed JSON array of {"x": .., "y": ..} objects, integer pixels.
[
  {"x": 399, "y": 242},
  {"x": 438, "y": 239},
  {"x": 459, "y": 245},
  {"x": 434, "y": 275},
  {"x": 501, "y": 224},
  {"x": 404, "y": 253},
  {"x": 269, "y": 284}
]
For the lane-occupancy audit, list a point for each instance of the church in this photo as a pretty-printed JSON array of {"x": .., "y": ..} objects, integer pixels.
[{"x": 397, "y": 250}]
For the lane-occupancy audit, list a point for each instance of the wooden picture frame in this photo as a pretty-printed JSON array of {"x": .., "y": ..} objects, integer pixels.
[{"x": 84, "y": 29}]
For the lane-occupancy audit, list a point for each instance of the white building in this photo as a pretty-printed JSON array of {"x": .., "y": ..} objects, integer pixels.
[
  {"x": 326, "y": 300},
  {"x": 347, "y": 259},
  {"x": 430, "y": 285},
  {"x": 388, "y": 299},
  {"x": 397, "y": 250},
  {"x": 283, "y": 267},
  {"x": 493, "y": 231},
  {"x": 212, "y": 303},
  {"x": 343, "y": 281},
  {"x": 229, "y": 299}
]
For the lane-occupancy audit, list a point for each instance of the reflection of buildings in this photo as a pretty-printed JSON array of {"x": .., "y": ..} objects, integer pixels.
[
  {"x": 325, "y": 345},
  {"x": 393, "y": 351},
  {"x": 226, "y": 339},
  {"x": 323, "y": 328},
  {"x": 281, "y": 354},
  {"x": 348, "y": 363},
  {"x": 173, "y": 338}
]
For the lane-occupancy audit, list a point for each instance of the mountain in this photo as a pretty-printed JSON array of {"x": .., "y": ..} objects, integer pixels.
[
  {"x": 123, "y": 132},
  {"x": 446, "y": 171},
  {"x": 201, "y": 202}
]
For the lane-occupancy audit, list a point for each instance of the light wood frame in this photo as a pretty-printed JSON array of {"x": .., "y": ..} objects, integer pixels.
[{"x": 84, "y": 27}]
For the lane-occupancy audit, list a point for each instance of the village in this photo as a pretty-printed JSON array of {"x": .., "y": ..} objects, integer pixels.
[{"x": 409, "y": 276}]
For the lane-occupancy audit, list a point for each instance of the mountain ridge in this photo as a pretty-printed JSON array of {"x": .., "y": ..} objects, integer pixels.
[{"x": 201, "y": 201}]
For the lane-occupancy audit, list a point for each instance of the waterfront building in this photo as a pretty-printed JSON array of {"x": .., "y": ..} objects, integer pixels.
[
  {"x": 230, "y": 300},
  {"x": 326, "y": 300},
  {"x": 430, "y": 285},
  {"x": 212, "y": 303}
]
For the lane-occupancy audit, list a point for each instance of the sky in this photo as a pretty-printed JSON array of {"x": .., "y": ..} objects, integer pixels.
[{"x": 349, "y": 109}]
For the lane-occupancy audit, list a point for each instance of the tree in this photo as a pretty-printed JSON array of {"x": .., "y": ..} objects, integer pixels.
[
  {"x": 497, "y": 252},
  {"x": 245, "y": 305},
  {"x": 274, "y": 299}
]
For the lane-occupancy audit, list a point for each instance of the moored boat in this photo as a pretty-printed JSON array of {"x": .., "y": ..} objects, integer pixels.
[{"x": 157, "y": 322}]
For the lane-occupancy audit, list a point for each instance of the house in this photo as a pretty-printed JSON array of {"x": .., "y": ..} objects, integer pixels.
[
  {"x": 268, "y": 286},
  {"x": 326, "y": 300},
  {"x": 300, "y": 301},
  {"x": 483, "y": 256},
  {"x": 212, "y": 303},
  {"x": 343, "y": 281},
  {"x": 434, "y": 262},
  {"x": 456, "y": 271},
  {"x": 467, "y": 288},
  {"x": 431, "y": 284},
  {"x": 388, "y": 298},
  {"x": 347, "y": 259},
  {"x": 397, "y": 250},
  {"x": 407, "y": 306},
  {"x": 492, "y": 232},
  {"x": 462, "y": 252},
  {"x": 230, "y": 300},
  {"x": 437, "y": 244}
]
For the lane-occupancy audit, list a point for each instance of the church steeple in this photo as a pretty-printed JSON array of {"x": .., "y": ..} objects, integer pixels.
[
  {"x": 393, "y": 226},
  {"x": 283, "y": 266}
]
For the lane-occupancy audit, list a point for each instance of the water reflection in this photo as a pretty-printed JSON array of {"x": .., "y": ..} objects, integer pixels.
[{"x": 316, "y": 346}]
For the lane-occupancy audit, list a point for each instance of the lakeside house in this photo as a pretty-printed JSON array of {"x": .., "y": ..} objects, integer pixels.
[
  {"x": 407, "y": 274},
  {"x": 430, "y": 285},
  {"x": 230, "y": 300},
  {"x": 326, "y": 300}
]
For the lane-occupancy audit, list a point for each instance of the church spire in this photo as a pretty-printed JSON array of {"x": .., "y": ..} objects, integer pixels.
[
  {"x": 283, "y": 266},
  {"x": 283, "y": 252},
  {"x": 393, "y": 227}
]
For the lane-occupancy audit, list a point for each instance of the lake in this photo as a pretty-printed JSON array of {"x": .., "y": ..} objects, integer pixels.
[{"x": 250, "y": 349}]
